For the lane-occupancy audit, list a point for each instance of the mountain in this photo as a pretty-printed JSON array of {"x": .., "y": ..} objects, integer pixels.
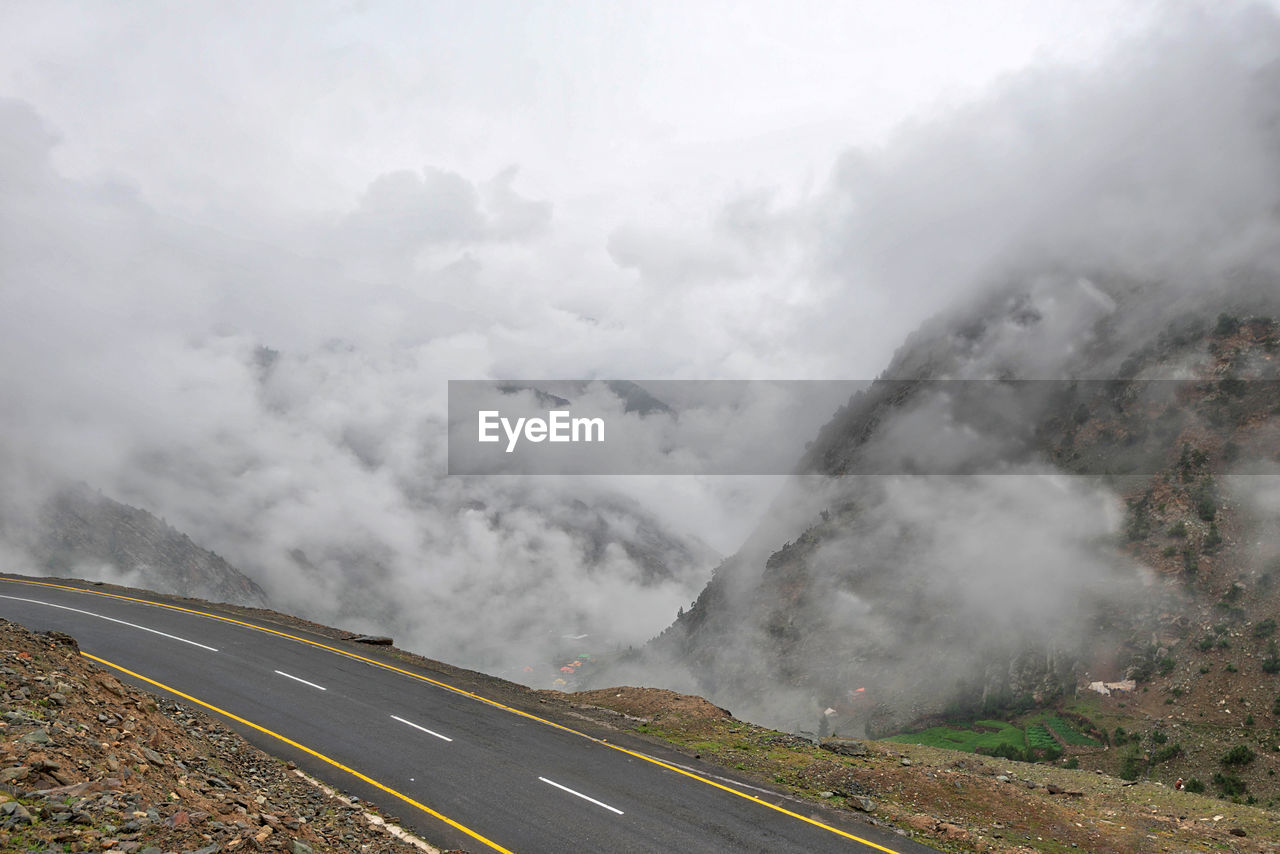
[
  {"x": 1053, "y": 485},
  {"x": 83, "y": 533}
]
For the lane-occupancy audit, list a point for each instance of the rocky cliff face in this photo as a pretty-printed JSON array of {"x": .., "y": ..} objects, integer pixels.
[
  {"x": 977, "y": 541},
  {"x": 83, "y": 533}
]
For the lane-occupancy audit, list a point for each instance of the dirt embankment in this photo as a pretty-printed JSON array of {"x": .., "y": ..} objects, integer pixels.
[
  {"x": 652, "y": 704},
  {"x": 951, "y": 800}
]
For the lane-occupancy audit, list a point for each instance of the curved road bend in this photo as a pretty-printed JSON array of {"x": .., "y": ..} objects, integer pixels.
[{"x": 460, "y": 770}]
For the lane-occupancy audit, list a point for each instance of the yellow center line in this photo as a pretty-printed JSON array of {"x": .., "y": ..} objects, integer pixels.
[
  {"x": 317, "y": 754},
  {"x": 465, "y": 693}
]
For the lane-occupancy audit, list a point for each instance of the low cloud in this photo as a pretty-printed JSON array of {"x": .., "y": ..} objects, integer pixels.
[{"x": 132, "y": 337}]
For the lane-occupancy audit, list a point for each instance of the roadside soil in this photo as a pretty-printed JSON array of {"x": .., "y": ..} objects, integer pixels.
[{"x": 948, "y": 799}]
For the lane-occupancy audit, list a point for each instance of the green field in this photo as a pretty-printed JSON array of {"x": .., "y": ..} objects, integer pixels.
[
  {"x": 1037, "y": 733},
  {"x": 985, "y": 734},
  {"x": 1068, "y": 733},
  {"x": 1039, "y": 738}
]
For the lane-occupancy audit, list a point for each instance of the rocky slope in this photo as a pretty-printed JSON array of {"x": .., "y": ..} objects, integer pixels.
[
  {"x": 90, "y": 764},
  {"x": 84, "y": 533}
]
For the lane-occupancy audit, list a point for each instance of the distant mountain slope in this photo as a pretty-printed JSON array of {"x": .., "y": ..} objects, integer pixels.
[
  {"x": 997, "y": 575},
  {"x": 79, "y": 532}
]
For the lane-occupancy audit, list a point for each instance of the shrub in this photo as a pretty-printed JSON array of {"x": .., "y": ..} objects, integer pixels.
[
  {"x": 1189, "y": 461},
  {"x": 1227, "y": 325},
  {"x": 1178, "y": 529},
  {"x": 1206, "y": 500},
  {"x": 1230, "y": 785},
  {"x": 1212, "y": 540},
  {"x": 1271, "y": 664},
  {"x": 1049, "y": 754},
  {"x": 1195, "y": 786},
  {"x": 1265, "y": 629},
  {"x": 1166, "y": 665},
  {"x": 1164, "y": 754},
  {"x": 1235, "y": 612},
  {"x": 1139, "y": 520},
  {"x": 1241, "y": 754},
  {"x": 1131, "y": 767},
  {"x": 1233, "y": 386},
  {"x": 1009, "y": 751}
]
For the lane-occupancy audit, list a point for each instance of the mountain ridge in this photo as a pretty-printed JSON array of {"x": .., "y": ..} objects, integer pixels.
[
  {"x": 1115, "y": 535},
  {"x": 79, "y": 531}
]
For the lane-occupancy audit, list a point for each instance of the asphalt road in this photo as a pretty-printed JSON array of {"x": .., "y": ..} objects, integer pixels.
[{"x": 460, "y": 769}]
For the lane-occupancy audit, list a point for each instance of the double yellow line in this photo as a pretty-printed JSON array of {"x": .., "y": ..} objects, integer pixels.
[{"x": 428, "y": 810}]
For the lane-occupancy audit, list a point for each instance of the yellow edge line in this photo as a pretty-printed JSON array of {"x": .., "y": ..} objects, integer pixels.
[
  {"x": 456, "y": 690},
  {"x": 335, "y": 763}
]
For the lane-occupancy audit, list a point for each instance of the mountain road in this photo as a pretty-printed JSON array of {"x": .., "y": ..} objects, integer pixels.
[{"x": 462, "y": 769}]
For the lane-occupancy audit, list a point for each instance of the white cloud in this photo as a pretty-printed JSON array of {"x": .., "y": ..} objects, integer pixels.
[{"x": 182, "y": 184}]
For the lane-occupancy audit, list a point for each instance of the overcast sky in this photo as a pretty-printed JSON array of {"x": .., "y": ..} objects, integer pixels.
[
  {"x": 632, "y": 125},
  {"x": 625, "y": 107},
  {"x": 394, "y": 195}
]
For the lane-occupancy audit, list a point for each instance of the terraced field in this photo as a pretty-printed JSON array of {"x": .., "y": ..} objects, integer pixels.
[
  {"x": 987, "y": 735},
  {"x": 1040, "y": 738},
  {"x": 1036, "y": 732},
  {"x": 1066, "y": 731}
]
